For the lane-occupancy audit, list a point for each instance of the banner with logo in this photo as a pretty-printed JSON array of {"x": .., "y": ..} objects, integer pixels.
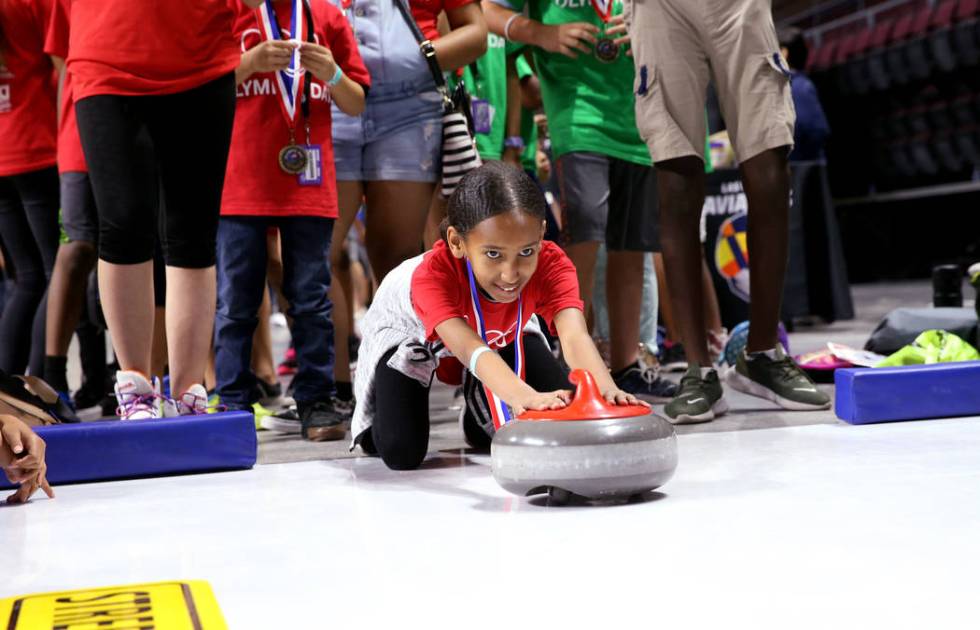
[{"x": 816, "y": 277}]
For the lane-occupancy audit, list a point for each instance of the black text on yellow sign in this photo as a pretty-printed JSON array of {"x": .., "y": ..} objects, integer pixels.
[{"x": 159, "y": 606}]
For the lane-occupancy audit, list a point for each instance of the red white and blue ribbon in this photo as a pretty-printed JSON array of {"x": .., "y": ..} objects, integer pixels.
[
  {"x": 498, "y": 408},
  {"x": 290, "y": 80},
  {"x": 603, "y": 9}
]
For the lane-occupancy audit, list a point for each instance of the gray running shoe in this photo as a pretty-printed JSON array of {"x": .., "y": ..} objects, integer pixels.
[
  {"x": 699, "y": 399},
  {"x": 779, "y": 380}
]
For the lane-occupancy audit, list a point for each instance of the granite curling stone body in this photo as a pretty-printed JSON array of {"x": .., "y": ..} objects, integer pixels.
[{"x": 589, "y": 448}]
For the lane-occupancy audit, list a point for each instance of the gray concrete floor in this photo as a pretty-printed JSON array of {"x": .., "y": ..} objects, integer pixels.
[{"x": 872, "y": 302}]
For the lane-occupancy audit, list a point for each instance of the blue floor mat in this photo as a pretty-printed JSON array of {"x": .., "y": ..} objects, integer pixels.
[
  {"x": 111, "y": 449},
  {"x": 912, "y": 392}
]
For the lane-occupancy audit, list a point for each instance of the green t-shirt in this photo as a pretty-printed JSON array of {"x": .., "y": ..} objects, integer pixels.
[
  {"x": 529, "y": 131},
  {"x": 589, "y": 103},
  {"x": 489, "y": 83}
]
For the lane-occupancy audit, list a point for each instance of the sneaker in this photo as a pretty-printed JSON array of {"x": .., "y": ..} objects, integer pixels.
[
  {"x": 779, "y": 380},
  {"x": 193, "y": 402},
  {"x": 672, "y": 357},
  {"x": 269, "y": 394},
  {"x": 88, "y": 401},
  {"x": 700, "y": 399},
  {"x": 645, "y": 382},
  {"x": 343, "y": 407},
  {"x": 286, "y": 421},
  {"x": 321, "y": 422},
  {"x": 137, "y": 398}
]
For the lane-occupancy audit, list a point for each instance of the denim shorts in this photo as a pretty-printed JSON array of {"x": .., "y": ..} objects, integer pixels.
[{"x": 397, "y": 138}]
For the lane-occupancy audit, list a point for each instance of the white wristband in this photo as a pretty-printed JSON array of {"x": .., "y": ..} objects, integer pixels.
[
  {"x": 510, "y": 21},
  {"x": 476, "y": 355}
]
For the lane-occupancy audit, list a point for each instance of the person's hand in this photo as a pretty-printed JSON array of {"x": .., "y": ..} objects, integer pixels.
[
  {"x": 616, "y": 396},
  {"x": 617, "y": 30},
  {"x": 568, "y": 39},
  {"x": 269, "y": 56},
  {"x": 539, "y": 401},
  {"x": 318, "y": 60},
  {"x": 22, "y": 459}
]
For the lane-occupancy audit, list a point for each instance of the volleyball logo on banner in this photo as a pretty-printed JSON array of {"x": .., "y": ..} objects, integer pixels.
[{"x": 732, "y": 254}]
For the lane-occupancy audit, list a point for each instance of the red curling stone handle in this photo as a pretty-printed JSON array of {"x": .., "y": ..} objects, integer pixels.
[{"x": 587, "y": 404}]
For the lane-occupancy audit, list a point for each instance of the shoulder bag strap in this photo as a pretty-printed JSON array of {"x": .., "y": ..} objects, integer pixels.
[{"x": 425, "y": 47}]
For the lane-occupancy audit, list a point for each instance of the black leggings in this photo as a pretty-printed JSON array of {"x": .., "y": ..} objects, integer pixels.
[
  {"x": 29, "y": 235},
  {"x": 190, "y": 133},
  {"x": 400, "y": 433}
]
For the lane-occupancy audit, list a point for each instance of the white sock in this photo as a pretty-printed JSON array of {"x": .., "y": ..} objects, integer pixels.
[{"x": 773, "y": 354}]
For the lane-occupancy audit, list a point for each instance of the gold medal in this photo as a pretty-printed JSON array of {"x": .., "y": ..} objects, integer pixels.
[{"x": 293, "y": 158}]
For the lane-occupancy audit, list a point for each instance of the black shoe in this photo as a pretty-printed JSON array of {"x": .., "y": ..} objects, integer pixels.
[
  {"x": 673, "y": 358},
  {"x": 267, "y": 393},
  {"x": 321, "y": 422},
  {"x": 88, "y": 396}
]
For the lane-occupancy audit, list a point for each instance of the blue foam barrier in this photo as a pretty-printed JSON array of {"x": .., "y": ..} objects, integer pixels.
[
  {"x": 911, "y": 392},
  {"x": 113, "y": 449}
]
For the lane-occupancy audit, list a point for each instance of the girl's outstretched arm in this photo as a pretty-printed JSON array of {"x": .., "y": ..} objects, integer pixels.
[
  {"x": 463, "y": 342},
  {"x": 580, "y": 352}
]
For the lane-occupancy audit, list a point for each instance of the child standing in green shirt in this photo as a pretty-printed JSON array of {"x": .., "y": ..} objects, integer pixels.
[{"x": 606, "y": 181}]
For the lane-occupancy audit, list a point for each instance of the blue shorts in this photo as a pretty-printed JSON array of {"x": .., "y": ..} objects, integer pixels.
[{"x": 397, "y": 138}]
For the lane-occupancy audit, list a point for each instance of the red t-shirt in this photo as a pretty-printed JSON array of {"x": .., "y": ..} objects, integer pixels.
[
  {"x": 70, "y": 156},
  {"x": 426, "y": 14},
  {"x": 254, "y": 182},
  {"x": 137, "y": 47},
  {"x": 28, "y": 89},
  {"x": 441, "y": 291}
]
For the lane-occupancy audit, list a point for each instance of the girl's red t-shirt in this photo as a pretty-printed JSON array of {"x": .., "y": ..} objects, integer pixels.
[
  {"x": 70, "y": 156},
  {"x": 254, "y": 183},
  {"x": 144, "y": 47},
  {"x": 441, "y": 291},
  {"x": 426, "y": 14},
  {"x": 28, "y": 89}
]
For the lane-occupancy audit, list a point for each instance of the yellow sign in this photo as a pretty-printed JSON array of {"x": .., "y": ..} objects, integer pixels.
[{"x": 158, "y": 606}]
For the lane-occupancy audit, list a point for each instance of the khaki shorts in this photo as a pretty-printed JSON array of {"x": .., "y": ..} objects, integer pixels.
[{"x": 678, "y": 45}]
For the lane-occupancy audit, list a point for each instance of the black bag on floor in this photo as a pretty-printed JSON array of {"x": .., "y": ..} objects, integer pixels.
[{"x": 903, "y": 325}]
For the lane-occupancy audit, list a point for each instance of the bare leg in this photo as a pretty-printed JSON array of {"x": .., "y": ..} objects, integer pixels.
[
  {"x": 190, "y": 323},
  {"x": 127, "y": 301},
  {"x": 349, "y": 197},
  {"x": 158, "y": 351},
  {"x": 437, "y": 212},
  {"x": 681, "y": 189},
  {"x": 66, "y": 294},
  {"x": 712, "y": 312},
  {"x": 396, "y": 218},
  {"x": 663, "y": 293},
  {"x": 624, "y": 283},
  {"x": 262, "y": 363},
  {"x": 583, "y": 256},
  {"x": 766, "y": 180}
]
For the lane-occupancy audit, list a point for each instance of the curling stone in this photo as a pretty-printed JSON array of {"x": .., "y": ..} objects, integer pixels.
[{"x": 589, "y": 448}]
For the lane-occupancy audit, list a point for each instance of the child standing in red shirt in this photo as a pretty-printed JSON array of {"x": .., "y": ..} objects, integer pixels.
[
  {"x": 468, "y": 302},
  {"x": 281, "y": 174}
]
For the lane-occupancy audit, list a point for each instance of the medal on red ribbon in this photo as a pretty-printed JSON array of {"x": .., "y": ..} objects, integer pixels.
[
  {"x": 605, "y": 49},
  {"x": 292, "y": 157}
]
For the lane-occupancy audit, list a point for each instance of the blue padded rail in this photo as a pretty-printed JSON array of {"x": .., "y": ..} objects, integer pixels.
[
  {"x": 111, "y": 449},
  {"x": 912, "y": 392}
]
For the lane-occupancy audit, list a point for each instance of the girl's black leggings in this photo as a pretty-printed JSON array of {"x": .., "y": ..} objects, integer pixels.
[{"x": 400, "y": 432}]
